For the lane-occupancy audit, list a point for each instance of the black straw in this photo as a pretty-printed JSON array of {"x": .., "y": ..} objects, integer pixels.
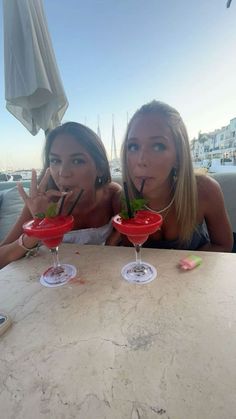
[
  {"x": 75, "y": 203},
  {"x": 142, "y": 186},
  {"x": 61, "y": 204},
  {"x": 130, "y": 213}
]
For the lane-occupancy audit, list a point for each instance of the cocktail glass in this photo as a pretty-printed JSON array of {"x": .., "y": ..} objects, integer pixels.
[
  {"x": 137, "y": 229},
  {"x": 51, "y": 231}
]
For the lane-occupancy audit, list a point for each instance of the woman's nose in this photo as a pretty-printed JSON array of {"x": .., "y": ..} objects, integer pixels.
[
  {"x": 142, "y": 157},
  {"x": 64, "y": 170}
]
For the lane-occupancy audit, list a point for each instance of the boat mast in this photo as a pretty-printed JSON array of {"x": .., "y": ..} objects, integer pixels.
[
  {"x": 127, "y": 118},
  {"x": 98, "y": 128},
  {"x": 113, "y": 142}
]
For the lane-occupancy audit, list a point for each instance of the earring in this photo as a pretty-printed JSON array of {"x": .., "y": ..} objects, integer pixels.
[
  {"x": 99, "y": 180},
  {"x": 175, "y": 174}
]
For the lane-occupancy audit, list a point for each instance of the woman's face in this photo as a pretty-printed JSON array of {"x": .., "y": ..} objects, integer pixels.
[
  {"x": 151, "y": 153},
  {"x": 71, "y": 167}
]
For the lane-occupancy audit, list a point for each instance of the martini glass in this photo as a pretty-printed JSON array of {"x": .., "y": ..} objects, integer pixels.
[
  {"x": 137, "y": 229},
  {"x": 51, "y": 231}
]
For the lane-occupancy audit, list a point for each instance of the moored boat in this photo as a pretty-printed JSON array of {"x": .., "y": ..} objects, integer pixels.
[{"x": 5, "y": 177}]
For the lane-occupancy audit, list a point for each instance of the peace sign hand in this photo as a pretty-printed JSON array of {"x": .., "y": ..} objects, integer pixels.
[{"x": 38, "y": 199}]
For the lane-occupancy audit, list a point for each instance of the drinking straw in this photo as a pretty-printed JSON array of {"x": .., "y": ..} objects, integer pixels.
[
  {"x": 63, "y": 200},
  {"x": 142, "y": 186},
  {"x": 61, "y": 204},
  {"x": 130, "y": 212},
  {"x": 76, "y": 202}
]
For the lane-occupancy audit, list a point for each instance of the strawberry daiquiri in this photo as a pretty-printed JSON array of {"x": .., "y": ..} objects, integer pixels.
[
  {"x": 137, "y": 229},
  {"x": 50, "y": 230}
]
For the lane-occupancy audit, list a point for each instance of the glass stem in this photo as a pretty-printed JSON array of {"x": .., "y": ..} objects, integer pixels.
[
  {"x": 54, "y": 252},
  {"x": 138, "y": 255}
]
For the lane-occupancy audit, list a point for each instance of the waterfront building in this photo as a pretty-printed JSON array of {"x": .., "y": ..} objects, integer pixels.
[{"x": 219, "y": 145}]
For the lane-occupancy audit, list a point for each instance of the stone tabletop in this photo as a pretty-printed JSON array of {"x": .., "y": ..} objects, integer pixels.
[{"x": 100, "y": 347}]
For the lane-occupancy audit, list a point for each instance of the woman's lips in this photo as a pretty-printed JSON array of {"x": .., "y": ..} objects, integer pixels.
[
  {"x": 65, "y": 188},
  {"x": 143, "y": 179},
  {"x": 142, "y": 182}
]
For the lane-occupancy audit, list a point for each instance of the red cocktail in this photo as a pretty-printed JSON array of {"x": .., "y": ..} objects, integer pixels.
[
  {"x": 50, "y": 230},
  {"x": 137, "y": 229}
]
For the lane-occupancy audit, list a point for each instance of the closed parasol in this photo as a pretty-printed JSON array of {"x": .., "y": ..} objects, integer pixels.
[{"x": 33, "y": 87}]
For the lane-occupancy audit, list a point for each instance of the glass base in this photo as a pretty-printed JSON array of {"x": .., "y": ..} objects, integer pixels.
[
  {"x": 59, "y": 276},
  {"x": 139, "y": 274}
]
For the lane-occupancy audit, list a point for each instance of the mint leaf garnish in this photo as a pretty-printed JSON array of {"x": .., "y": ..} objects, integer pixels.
[
  {"x": 138, "y": 204},
  {"x": 51, "y": 211},
  {"x": 40, "y": 215},
  {"x": 135, "y": 204}
]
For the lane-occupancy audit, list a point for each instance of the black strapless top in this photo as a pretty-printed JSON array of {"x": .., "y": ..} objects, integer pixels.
[{"x": 199, "y": 238}]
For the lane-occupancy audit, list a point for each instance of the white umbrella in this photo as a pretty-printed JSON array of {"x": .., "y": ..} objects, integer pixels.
[{"x": 33, "y": 88}]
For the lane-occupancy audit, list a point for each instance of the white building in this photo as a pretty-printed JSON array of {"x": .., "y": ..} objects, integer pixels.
[{"x": 219, "y": 144}]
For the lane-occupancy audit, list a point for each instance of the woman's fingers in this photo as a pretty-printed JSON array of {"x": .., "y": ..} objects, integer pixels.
[
  {"x": 33, "y": 185},
  {"x": 38, "y": 200},
  {"x": 22, "y": 192},
  {"x": 52, "y": 193},
  {"x": 43, "y": 184}
]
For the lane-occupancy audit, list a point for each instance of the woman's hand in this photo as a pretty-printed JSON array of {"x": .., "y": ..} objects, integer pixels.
[{"x": 38, "y": 199}]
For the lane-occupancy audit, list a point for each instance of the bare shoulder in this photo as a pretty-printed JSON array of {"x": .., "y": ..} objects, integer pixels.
[
  {"x": 208, "y": 188},
  {"x": 211, "y": 208},
  {"x": 210, "y": 196},
  {"x": 114, "y": 187},
  {"x": 114, "y": 190}
]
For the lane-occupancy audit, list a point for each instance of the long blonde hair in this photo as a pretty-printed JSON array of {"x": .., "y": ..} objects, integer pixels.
[{"x": 185, "y": 189}]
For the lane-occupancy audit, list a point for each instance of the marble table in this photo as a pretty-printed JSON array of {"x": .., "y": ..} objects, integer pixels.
[{"x": 100, "y": 347}]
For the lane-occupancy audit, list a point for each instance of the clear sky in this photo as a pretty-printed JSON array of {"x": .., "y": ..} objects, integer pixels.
[{"x": 114, "y": 56}]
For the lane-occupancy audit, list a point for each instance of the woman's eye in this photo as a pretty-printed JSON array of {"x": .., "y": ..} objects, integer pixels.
[
  {"x": 53, "y": 161},
  {"x": 78, "y": 161},
  {"x": 132, "y": 147},
  {"x": 159, "y": 147}
]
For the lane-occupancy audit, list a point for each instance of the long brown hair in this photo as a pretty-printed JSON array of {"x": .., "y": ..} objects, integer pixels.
[
  {"x": 185, "y": 190},
  {"x": 87, "y": 139}
]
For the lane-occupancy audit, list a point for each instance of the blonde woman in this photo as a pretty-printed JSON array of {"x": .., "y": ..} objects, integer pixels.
[{"x": 156, "y": 150}]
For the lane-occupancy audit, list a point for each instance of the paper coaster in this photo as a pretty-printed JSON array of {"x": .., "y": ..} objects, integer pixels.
[
  {"x": 5, "y": 322},
  {"x": 133, "y": 277},
  {"x": 70, "y": 272}
]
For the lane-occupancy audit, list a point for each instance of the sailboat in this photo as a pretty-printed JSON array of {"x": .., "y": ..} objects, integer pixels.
[
  {"x": 115, "y": 161},
  {"x": 98, "y": 129},
  {"x": 5, "y": 177}
]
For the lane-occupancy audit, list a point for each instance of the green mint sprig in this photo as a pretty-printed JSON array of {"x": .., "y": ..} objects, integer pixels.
[
  {"x": 135, "y": 204},
  {"x": 51, "y": 212},
  {"x": 40, "y": 215}
]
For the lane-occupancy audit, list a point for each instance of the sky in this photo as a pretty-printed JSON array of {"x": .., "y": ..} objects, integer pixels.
[{"x": 114, "y": 56}]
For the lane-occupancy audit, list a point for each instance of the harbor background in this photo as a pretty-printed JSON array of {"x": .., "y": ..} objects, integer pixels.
[
  {"x": 216, "y": 150},
  {"x": 213, "y": 152},
  {"x": 115, "y": 56}
]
